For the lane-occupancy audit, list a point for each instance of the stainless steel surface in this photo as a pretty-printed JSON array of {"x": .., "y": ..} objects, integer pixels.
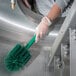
[
  {"x": 58, "y": 67},
  {"x": 63, "y": 31},
  {"x": 19, "y": 25},
  {"x": 65, "y": 58},
  {"x": 72, "y": 52}
]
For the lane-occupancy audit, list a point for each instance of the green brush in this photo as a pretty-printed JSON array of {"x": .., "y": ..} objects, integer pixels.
[{"x": 18, "y": 56}]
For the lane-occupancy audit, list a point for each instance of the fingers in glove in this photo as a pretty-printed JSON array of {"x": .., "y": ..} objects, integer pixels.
[{"x": 41, "y": 34}]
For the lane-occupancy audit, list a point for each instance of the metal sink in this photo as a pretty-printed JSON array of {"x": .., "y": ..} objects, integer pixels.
[{"x": 19, "y": 26}]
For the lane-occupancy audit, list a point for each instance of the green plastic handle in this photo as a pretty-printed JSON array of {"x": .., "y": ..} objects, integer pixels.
[{"x": 31, "y": 42}]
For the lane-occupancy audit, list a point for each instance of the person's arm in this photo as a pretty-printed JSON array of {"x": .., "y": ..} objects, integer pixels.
[
  {"x": 57, "y": 8},
  {"x": 54, "y": 12},
  {"x": 43, "y": 26}
]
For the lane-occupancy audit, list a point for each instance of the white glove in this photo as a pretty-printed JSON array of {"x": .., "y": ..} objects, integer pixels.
[{"x": 42, "y": 28}]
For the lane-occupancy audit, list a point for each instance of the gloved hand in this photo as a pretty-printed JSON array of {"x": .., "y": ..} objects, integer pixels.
[{"x": 42, "y": 28}]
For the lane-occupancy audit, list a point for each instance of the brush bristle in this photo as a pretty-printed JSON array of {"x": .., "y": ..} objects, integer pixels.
[{"x": 17, "y": 58}]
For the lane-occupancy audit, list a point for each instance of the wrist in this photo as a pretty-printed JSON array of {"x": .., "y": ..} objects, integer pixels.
[{"x": 46, "y": 19}]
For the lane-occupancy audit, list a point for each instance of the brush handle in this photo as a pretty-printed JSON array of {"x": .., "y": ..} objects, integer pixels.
[{"x": 30, "y": 43}]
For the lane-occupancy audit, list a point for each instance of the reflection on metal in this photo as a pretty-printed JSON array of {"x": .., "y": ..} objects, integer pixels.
[{"x": 16, "y": 25}]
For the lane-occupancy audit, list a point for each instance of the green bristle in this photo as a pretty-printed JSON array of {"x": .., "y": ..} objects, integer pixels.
[
  {"x": 14, "y": 50},
  {"x": 14, "y": 63}
]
